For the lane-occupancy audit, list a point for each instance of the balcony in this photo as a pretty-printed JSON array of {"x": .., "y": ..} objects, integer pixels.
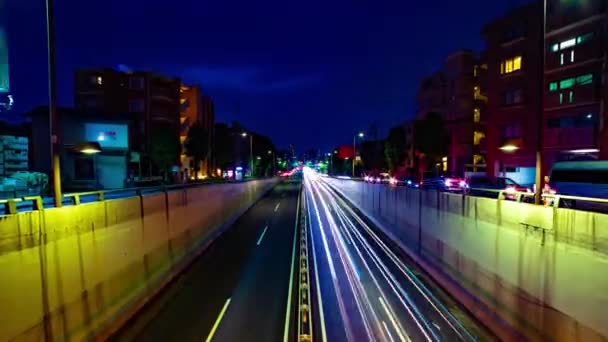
[{"x": 569, "y": 138}]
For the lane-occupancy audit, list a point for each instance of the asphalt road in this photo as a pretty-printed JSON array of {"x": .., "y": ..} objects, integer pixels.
[
  {"x": 367, "y": 289},
  {"x": 237, "y": 290}
]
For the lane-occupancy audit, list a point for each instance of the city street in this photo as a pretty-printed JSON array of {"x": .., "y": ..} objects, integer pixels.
[
  {"x": 237, "y": 290},
  {"x": 368, "y": 290}
]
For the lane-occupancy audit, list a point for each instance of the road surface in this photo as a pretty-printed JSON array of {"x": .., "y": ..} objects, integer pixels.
[
  {"x": 369, "y": 291},
  {"x": 237, "y": 290}
]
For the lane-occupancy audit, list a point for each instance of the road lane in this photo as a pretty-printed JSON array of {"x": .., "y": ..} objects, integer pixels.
[
  {"x": 238, "y": 288},
  {"x": 388, "y": 301}
]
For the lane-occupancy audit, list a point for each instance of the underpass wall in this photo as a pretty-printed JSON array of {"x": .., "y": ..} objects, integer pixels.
[
  {"x": 74, "y": 272},
  {"x": 542, "y": 269}
]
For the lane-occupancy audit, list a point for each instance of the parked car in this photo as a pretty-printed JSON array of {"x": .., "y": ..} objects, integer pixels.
[
  {"x": 580, "y": 179},
  {"x": 488, "y": 187}
]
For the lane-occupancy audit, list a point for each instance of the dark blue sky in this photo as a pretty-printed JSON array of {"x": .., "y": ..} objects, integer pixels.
[{"x": 309, "y": 73}]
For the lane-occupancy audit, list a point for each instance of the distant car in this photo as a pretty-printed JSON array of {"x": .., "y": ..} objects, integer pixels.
[
  {"x": 483, "y": 186},
  {"x": 382, "y": 178},
  {"x": 443, "y": 183}
]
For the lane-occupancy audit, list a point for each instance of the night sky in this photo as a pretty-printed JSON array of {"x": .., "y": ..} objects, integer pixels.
[{"x": 309, "y": 73}]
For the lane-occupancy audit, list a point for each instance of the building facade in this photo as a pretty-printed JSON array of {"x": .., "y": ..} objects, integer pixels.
[
  {"x": 151, "y": 100},
  {"x": 576, "y": 54},
  {"x": 196, "y": 107},
  {"x": 108, "y": 169},
  {"x": 514, "y": 78},
  {"x": 457, "y": 93}
]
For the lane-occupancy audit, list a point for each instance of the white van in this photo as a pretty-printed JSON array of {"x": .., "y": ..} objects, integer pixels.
[{"x": 580, "y": 178}]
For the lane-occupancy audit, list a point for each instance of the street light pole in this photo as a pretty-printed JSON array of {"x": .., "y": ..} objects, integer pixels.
[
  {"x": 539, "y": 145},
  {"x": 355, "y": 149},
  {"x": 55, "y": 162}
]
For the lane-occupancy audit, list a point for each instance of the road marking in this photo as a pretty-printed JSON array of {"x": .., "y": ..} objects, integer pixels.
[
  {"x": 393, "y": 322},
  {"x": 314, "y": 259},
  {"x": 218, "y": 320},
  {"x": 388, "y": 332},
  {"x": 262, "y": 236},
  {"x": 277, "y": 207},
  {"x": 293, "y": 259}
]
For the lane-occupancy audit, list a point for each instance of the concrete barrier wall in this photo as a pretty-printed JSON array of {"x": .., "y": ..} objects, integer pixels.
[
  {"x": 542, "y": 269},
  {"x": 69, "y": 273}
]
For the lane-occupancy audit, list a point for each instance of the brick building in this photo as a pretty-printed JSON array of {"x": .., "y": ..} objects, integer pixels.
[
  {"x": 576, "y": 48},
  {"x": 456, "y": 92},
  {"x": 514, "y": 78}
]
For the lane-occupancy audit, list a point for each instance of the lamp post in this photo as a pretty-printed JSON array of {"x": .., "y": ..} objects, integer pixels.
[
  {"x": 244, "y": 135},
  {"x": 273, "y": 156},
  {"x": 360, "y": 135},
  {"x": 55, "y": 162},
  {"x": 329, "y": 171},
  {"x": 539, "y": 144}
]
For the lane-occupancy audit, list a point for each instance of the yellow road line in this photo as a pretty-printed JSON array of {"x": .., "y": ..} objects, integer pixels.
[
  {"x": 293, "y": 259},
  {"x": 217, "y": 321},
  {"x": 393, "y": 321}
]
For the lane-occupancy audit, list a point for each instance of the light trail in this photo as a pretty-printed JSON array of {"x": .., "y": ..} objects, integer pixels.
[
  {"x": 430, "y": 298},
  {"x": 368, "y": 268}
]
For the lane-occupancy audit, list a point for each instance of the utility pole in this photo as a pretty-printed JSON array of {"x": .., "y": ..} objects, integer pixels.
[{"x": 54, "y": 146}]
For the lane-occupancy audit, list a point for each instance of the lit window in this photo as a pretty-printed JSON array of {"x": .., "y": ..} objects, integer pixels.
[
  {"x": 567, "y": 83},
  {"x": 572, "y": 42},
  {"x": 561, "y": 98},
  {"x": 570, "y": 96},
  {"x": 583, "y": 38},
  {"x": 566, "y": 44},
  {"x": 584, "y": 79},
  {"x": 553, "y": 86},
  {"x": 555, "y": 47},
  {"x": 561, "y": 58},
  {"x": 572, "y": 56},
  {"x": 476, "y": 115},
  {"x": 510, "y": 65},
  {"x": 477, "y": 136}
]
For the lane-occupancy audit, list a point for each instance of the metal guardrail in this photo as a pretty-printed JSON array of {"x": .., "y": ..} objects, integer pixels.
[{"x": 12, "y": 206}]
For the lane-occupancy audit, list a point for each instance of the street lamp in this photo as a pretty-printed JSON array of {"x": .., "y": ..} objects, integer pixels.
[
  {"x": 88, "y": 147},
  {"x": 55, "y": 162},
  {"x": 244, "y": 135},
  {"x": 360, "y": 135},
  {"x": 509, "y": 148},
  {"x": 274, "y": 162}
]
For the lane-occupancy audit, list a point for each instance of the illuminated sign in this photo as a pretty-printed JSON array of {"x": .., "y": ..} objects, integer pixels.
[
  {"x": 4, "y": 71},
  {"x": 108, "y": 135}
]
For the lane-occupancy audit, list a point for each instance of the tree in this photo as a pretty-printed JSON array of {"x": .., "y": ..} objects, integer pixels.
[
  {"x": 430, "y": 140},
  {"x": 394, "y": 148},
  {"x": 164, "y": 148},
  {"x": 196, "y": 145}
]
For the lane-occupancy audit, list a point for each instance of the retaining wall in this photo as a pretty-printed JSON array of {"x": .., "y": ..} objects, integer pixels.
[
  {"x": 72, "y": 272},
  {"x": 544, "y": 270}
]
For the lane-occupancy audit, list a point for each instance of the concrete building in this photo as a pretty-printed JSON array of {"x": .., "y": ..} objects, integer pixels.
[
  {"x": 576, "y": 48},
  {"x": 108, "y": 169},
  {"x": 514, "y": 79},
  {"x": 457, "y": 93},
  {"x": 196, "y": 107},
  {"x": 14, "y": 149},
  {"x": 154, "y": 101}
]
